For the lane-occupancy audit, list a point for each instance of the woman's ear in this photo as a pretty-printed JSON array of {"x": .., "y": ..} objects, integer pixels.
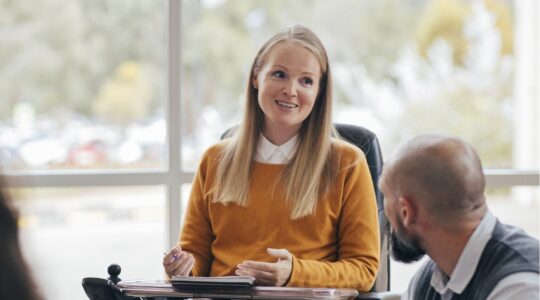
[{"x": 407, "y": 211}]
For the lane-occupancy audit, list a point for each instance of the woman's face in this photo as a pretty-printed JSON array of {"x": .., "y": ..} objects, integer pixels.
[{"x": 288, "y": 85}]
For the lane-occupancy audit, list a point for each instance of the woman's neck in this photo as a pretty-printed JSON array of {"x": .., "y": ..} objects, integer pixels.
[{"x": 279, "y": 136}]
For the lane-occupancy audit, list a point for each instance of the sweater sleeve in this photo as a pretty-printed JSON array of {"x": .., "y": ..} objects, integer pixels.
[
  {"x": 196, "y": 235},
  {"x": 358, "y": 239}
]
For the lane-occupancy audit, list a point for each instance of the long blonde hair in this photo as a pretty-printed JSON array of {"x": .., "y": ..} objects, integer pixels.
[{"x": 309, "y": 173}]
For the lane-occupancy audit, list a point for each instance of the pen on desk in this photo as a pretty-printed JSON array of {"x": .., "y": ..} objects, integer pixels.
[{"x": 173, "y": 258}]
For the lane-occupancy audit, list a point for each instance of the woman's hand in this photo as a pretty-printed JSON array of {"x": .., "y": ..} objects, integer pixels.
[
  {"x": 177, "y": 262},
  {"x": 273, "y": 274}
]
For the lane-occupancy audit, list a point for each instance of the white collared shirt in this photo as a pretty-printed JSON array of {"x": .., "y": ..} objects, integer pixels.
[
  {"x": 522, "y": 285},
  {"x": 273, "y": 154}
]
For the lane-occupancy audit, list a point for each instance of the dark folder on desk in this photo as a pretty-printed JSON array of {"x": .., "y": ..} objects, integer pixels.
[{"x": 209, "y": 283}]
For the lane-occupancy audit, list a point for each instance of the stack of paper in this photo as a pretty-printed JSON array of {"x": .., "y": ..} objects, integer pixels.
[{"x": 156, "y": 288}]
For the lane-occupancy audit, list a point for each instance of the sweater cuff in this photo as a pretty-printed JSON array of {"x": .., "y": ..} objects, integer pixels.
[{"x": 295, "y": 268}]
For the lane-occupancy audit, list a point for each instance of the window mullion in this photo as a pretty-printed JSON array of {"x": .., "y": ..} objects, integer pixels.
[{"x": 174, "y": 143}]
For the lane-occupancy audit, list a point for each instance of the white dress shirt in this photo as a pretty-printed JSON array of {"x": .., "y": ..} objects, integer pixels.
[
  {"x": 522, "y": 285},
  {"x": 272, "y": 154}
]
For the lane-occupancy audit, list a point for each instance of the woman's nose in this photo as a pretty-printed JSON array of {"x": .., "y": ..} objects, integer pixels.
[{"x": 290, "y": 89}]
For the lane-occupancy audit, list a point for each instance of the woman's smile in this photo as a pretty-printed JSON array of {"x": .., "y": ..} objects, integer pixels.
[{"x": 285, "y": 104}]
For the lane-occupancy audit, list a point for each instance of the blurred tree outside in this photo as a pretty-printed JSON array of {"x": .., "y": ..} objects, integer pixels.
[
  {"x": 466, "y": 47},
  {"x": 390, "y": 65},
  {"x": 445, "y": 19},
  {"x": 448, "y": 70},
  {"x": 220, "y": 40},
  {"x": 125, "y": 97},
  {"x": 56, "y": 53},
  {"x": 74, "y": 64}
]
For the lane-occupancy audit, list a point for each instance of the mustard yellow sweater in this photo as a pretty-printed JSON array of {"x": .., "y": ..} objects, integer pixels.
[{"x": 338, "y": 246}]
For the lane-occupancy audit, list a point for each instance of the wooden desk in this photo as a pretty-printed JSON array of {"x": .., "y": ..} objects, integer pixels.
[{"x": 162, "y": 288}]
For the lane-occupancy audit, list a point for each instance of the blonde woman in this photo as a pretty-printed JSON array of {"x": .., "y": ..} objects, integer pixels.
[{"x": 282, "y": 200}]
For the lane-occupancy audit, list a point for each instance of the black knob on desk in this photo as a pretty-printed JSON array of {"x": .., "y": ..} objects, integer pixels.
[{"x": 114, "y": 270}]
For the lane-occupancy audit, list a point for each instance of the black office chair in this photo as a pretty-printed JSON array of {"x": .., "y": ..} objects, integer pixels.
[
  {"x": 368, "y": 142},
  {"x": 102, "y": 289},
  {"x": 105, "y": 289}
]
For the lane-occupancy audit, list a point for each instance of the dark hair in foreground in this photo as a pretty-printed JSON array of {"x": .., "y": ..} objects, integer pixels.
[{"x": 15, "y": 280}]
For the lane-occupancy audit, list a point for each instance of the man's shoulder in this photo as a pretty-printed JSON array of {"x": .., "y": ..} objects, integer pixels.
[
  {"x": 512, "y": 234},
  {"x": 521, "y": 285},
  {"x": 509, "y": 251},
  {"x": 513, "y": 240}
]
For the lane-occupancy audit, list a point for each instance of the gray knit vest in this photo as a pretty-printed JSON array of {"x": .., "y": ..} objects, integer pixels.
[{"x": 508, "y": 251}]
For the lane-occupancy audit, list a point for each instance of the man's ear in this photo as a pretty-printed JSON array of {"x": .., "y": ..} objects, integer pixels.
[{"x": 407, "y": 210}]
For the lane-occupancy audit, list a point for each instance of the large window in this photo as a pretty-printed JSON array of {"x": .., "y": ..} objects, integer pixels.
[
  {"x": 106, "y": 108},
  {"x": 83, "y": 84},
  {"x": 400, "y": 67}
]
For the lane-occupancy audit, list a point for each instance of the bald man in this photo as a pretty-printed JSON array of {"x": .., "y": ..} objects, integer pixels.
[{"x": 434, "y": 200}]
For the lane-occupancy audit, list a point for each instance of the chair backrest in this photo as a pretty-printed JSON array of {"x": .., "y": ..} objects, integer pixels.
[{"x": 368, "y": 142}]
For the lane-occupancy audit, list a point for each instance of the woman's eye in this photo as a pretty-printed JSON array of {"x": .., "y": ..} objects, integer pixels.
[
  {"x": 279, "y": 74},
  {"x": 307, "y": 81}
]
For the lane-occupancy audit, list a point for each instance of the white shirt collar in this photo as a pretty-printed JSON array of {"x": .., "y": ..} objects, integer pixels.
[
  {"x": 273, "y": 154},
  {"x": 468, "y": 260}
]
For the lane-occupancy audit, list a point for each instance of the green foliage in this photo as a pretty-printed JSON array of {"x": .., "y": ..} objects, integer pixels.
[
  {"x": 461, "y": 112},
  {"x": 477, "y": 113},
  {"x": 56, "y": 53},
  {"x": 504, "y": 22},
  {"x": 125, "y": 96},
  {"x": 445, "y": 19},
  {"x": 68, "y": 54}
]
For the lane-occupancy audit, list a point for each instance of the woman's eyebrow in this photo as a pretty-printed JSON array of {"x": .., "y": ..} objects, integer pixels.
[{"x": 279, "y": 66}]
